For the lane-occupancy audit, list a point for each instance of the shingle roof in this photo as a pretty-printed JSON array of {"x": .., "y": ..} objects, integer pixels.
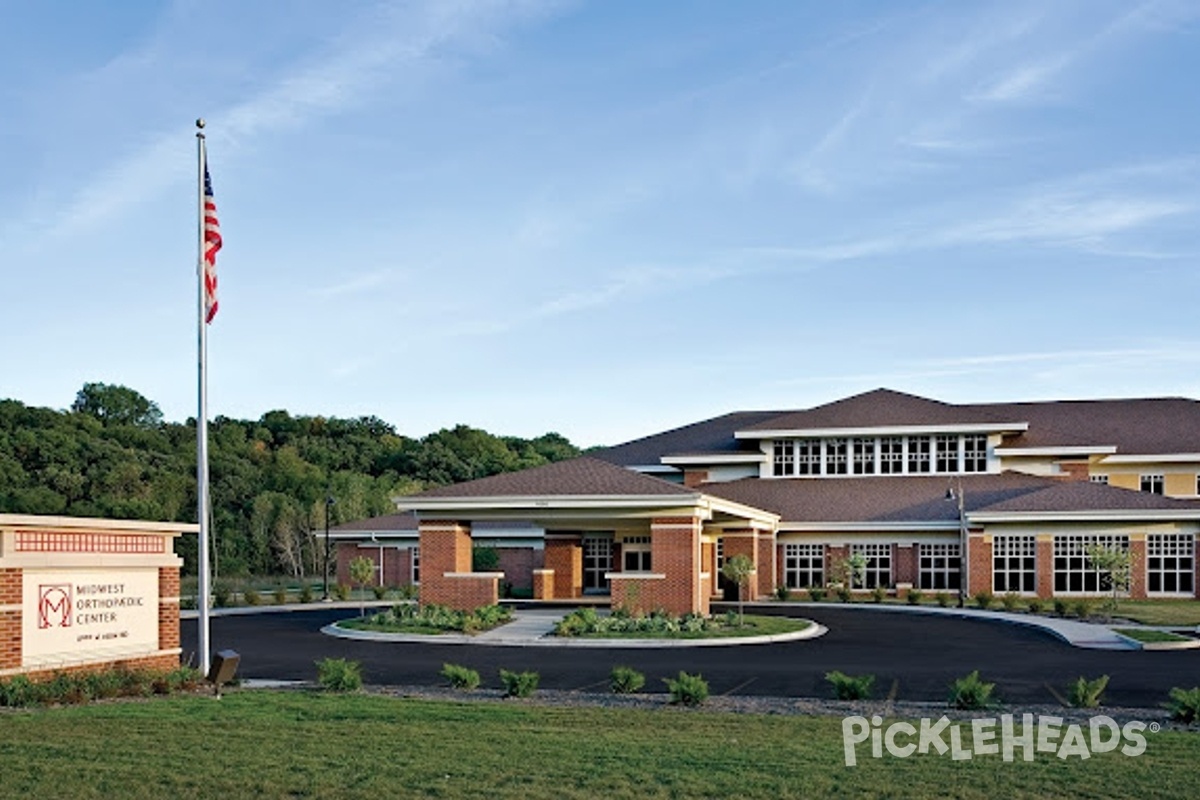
[
  {"x": 578, "y": 477},
  {"x": 877, "y": 408},
  {"x": 923, "y": 499},
  {"x": 385, "y": 523},
  {"x": 708, "y": 436},
  {"x": 1135, "y": 427}
]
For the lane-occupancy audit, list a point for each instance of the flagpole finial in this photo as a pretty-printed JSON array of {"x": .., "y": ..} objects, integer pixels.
[{"x": 200, "y": 123}]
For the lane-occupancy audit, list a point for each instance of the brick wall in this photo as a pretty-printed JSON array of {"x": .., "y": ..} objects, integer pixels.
[
  {"x": 397, "y": 563},
  {"x": 543, "y": 584},
  {"x": 565, "y": 557},
  {"x": 979, "y": 564},
  {"x": 518, "y": 564},
  {"x": 835, "y": 555},
  {"x": 675, "y": 552},
  {"x": 904, "y": 564},
  {"x": 462, "y": 592},
  {"x": 745, "y": 543},
  {"x": 10, "y": 621},
  {"x": 694, "y": 477},
  {"x": 766, "y": 563},
  {"x": 1073, "y": 470},
  {"x": 445, "y": 548},
  {"x": 1045, "y": 568},
  {"x": 164, "y": 662},
  {"x": 168, "y": 608},
  {"x": 1137, "y": 575}
]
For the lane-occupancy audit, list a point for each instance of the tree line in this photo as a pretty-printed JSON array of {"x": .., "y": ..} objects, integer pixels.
[{"x": 112, "y": 455}]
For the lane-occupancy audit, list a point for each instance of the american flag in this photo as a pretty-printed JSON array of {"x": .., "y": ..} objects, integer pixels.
[{"x": 212, "y": 243}]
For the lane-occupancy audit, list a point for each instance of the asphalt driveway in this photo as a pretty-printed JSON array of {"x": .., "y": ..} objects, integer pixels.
[{"x": 922, "y": 653}]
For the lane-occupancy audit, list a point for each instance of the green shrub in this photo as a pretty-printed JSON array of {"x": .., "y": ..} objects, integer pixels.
[
  {"x": 460, "y": 677},
  {"x": 1086, "y": 694},
  {"x": 1035, "y": 605},
  {"x": 222, "y": 595},
  {"x": 1184, "y": 705},
  {"x": 251, "y": 597},
  {"x": 972, "y": 693},
  {"x": 306, "y": 594},
  {"x": 878, "y": 593},
  {"x": 19, "y": 692},
  {"x": 915, "y": 596},
  {"x": 519, "y": 684},
  {"x": 687, "y": 690},
  {"x": 783, "y": 593},
  {"x": 983, "y": 600},
  {"x": 850, "y": 687},
  {"x": 280, "y": 595},
  {"x": 339, "y": 675},
  {"x": 380, "y": 592},
  {"x": 1060, "y": 607},
  {"x": 816, "y": 593},
  {"x": 1010, "y": 600},
  {"x": 844, "y": 594},
  {"x": 340, "y": 591},
  {"x": 103, "y": 685},
  {"x": 485, "y": 559},
  {"x": 1082, "y": 608},
  {"x": 409, "y": 592},
  {"x": 625, "y": 680},
  {"x": 943, "y": 599}
]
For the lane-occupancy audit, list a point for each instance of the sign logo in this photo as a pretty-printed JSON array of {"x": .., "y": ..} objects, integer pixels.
[{"x": 54, "y": 605}]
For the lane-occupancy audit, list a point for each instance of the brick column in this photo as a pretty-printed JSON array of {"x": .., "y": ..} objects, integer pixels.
[
  {"x": 1045, "y": 566},
  {"x": 445, "y": 549},
  {"x": 745, "y": 543},
  {"x": 10, "y": 619},
  {"x": 979, "y": 563},
  {"x": 906, "y": 564},
  {"x": 1137, "y": 568},
  {"x": 694, "y": 477},
  {"x": 168, "y": 608},
  {"x": 543, "y": 584},
  {"x": 1196, "y": 566},
  {"x": 766, "y": 563},
  {"x": 565, "y": 557},
  {"x": 675, "y": 553},
  {"x": 834, "y": 556}
]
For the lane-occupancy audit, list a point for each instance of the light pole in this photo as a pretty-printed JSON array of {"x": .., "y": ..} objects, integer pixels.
[
  {"x": 325, "y": 572},
  {"x": 962, "y": 543}
]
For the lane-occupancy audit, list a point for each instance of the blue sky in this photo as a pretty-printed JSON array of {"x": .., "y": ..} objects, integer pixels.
[{"x": 606, "y": 218}]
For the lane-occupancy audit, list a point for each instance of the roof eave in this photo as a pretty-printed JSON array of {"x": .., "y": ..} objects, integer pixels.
[{"x": 883, "y": 430}]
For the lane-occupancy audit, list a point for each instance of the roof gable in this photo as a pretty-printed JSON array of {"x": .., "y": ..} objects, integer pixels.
[{"x": 577, "y": 477}]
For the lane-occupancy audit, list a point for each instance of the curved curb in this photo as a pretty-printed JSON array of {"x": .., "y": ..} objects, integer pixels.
[
  {"x": 1190, "y": 644},
  {"x": 813, "y": 630}
]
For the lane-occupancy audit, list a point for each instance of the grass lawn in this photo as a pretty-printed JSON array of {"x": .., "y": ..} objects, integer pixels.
[
  {"x": 291, "y": 744},
  {"x": 407, "y": 626},
  {"x": 754, "y": 626},
  {"x": 1148, "y": 635},
  {"x": 1161, "y": 612}
]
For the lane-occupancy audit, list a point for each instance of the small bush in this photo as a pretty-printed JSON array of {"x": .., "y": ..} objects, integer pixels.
[
  {"x": 1086, "y": 694},
  {"x": 687, "y": 690},
  {"x": 972, "y": 693},
  {"x": 251, "y": 597},
  {"x": 983, "y": 600},
  {"x": 339, "y": 675},
  {"x": 222, "y": 595},
  {"x": 1035, "y": 605},
  {"x": 878, "y": 593},
  {"x": 280, "y": 595},
  {"x": 625, "y": 680},
  {"x": 783, "y": 593},
  {"x": 1060, "y": 607},
  {"x": 1082, "y": 608},
  {"x": 1011, "y": 601},
  {"x": 306, "y": 594},
  {"x": 1184, "y": 705},
  {"x": 816, "y": 593},
  {"x": 341, "y": 591},
  {"x": 943, "y": 599},
  {"x": 409, "y": 592},
  {"x": 850, "y": 687},
  {"x": 485, "y": 559},
  {"x": 460, "y": 677},
  {"x": 519, "y": 684},
  {"x": 915, "y": 596},
  {"x": 844, "y": 594},
  {"x": 380, "y": 592}
]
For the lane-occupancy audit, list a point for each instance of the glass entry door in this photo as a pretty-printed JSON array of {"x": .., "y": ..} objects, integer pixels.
[{"x": 597, "y": 560}]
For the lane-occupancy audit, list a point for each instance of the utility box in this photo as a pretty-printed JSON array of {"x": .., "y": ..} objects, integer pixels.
[{"x": 224, "y": 667}]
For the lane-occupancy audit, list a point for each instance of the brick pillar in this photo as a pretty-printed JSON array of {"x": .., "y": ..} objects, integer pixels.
[
  {"x": 675, "y": 553},
  {"x": 543, "y": 584},
  {"x": 1196, "y": 566},
  {"x": 979, "y": 563},
  {"x": 905, "y": 564},
  {"x": 168, "y": 608},
  {"x": 445, "y": 548},
  {"x": 1137, "y": 570},
  {"x": 834, "y": 556},
  {"x": 694, "y": 477},
  {"x": 745, "y": 543},
  {"x": 10, "y": 620},
  {"x": 766, "y": 563},
  {"x": 565, "y": 557},
  {"x": 1045, "y": 566}
]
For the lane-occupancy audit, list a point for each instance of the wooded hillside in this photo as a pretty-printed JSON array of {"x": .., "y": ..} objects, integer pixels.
[{"x": 112, "y": 455}]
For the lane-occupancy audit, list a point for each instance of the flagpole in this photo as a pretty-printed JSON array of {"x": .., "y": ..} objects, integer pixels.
[{"x": 202, "y": 413}]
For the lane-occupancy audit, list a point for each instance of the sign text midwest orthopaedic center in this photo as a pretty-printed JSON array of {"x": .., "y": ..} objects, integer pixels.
[{"x": 89, "y": 613}]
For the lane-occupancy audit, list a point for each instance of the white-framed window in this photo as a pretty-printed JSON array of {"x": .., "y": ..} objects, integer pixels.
[
  {"x": 879, "y": 564},
  {"x": 835, "y": 456},
  {"x": 864, "y": 456},
  {"x": 1170, "y": 563},
  {"x": 1152, "y": 484},
  {"x": 1072, "y": 571},
  {"x": 975, "y": 453},
  {"x": 1098, "y": 479},
  {"x": 416, "y": 564},
  {"x": 803, "y": 565},
  {"x": 1014, "y": 564},
  {"x": 918, "y": 454},
  {"x": 891, "y": 455},
  {"x": 784, "y": 457},
  {"x": 809, "y": 456},
  {"x": 635, "y": 554},
  {"x": 939, "y": 566},
  {"x": 947, "y": 453},
  {"x": 719, "y": 553}
]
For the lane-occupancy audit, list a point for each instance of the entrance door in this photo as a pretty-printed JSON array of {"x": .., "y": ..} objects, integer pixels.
[{"x": 597, "y": 560}]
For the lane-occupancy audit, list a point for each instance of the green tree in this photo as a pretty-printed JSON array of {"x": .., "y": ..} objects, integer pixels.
[
  {"x": 362, "y": 570},
  {"x": 738, "y": 570},
  {"x": 1115, "y": 565},
  {"x": 116, "y": 404}
]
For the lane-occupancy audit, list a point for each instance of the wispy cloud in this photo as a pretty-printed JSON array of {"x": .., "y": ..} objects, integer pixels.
[{"x": 357, "y": 284}]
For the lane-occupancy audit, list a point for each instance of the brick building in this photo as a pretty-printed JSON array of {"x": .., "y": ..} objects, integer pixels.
[{"x": 1002, "y": 497}]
